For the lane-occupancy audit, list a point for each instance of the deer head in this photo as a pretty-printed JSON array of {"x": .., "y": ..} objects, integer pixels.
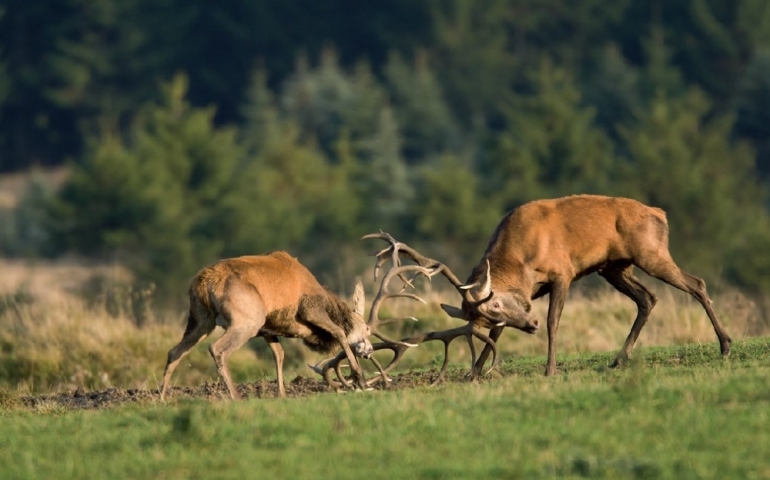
[
  {"x": 358, "y": 338},
  {"x": 488, "y": 308}
]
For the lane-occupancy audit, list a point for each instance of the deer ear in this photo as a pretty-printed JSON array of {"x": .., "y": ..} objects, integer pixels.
[
  {"x": 359, "y": 298},
  {"x": 453, "y": 312}
]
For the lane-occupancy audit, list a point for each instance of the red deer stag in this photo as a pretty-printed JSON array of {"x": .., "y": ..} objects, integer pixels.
[
  {"x": 269, "y": 296},
  {"x": 543, "y": 246}
]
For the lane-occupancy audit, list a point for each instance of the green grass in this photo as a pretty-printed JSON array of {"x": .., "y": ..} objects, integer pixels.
[{"x": 674, "y": 412}]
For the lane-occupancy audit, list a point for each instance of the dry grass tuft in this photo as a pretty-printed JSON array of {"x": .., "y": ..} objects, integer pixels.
[{"x": 57, "y": 336}]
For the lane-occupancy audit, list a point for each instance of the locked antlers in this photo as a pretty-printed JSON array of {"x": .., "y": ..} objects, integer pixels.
[{"x": 395, "y": 252}]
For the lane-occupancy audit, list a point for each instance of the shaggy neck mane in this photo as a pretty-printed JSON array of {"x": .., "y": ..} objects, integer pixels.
[{"x": 339, "y": 312}]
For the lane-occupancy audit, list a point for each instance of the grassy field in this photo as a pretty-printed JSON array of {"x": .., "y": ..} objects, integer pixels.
[{"x": 675, "y": 412}]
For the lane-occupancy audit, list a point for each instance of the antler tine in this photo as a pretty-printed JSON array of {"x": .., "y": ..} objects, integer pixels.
[
  {"x": 325, "y": 367},
  {"x": 383, "y": 375},
  {"x": 396, "y": 248},
  {"x": 384, "y": 294},
  {"x": 382, "y": 257},
  {"x": 397, "y": 319},
  {"x": 493, "y": 346},
  {"x": 325, "y": 372},
  {"x": 448, "y": 336},
  {"x": 337, "y": 366}
]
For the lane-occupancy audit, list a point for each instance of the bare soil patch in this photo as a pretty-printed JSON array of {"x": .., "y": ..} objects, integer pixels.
[{"x": 82, "y": 399}]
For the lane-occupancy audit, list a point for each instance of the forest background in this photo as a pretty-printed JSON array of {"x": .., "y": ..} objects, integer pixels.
[{"x": 180, "y": 132}]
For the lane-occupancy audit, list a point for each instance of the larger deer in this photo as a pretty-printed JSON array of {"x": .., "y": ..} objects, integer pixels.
[
  {"x": 541, "y": 248},
  {"x": 544, "y": 246},
  {"x": 269, "y": 296}
]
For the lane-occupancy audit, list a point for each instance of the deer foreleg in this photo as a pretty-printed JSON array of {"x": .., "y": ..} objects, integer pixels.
[
  {"x": 556, "y": 300},
  {"x": 275, "y": 346},
  {"x": 323, "y": 321},
  {"x": 478, "y": 367}
]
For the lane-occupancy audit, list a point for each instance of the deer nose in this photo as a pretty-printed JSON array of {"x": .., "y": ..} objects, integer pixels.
[{"x": 364, "y": 350}]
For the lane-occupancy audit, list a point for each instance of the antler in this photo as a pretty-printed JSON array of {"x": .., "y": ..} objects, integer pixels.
[
  {"x": 374, "y": 321},
  {"x": 427, "y": 267}
]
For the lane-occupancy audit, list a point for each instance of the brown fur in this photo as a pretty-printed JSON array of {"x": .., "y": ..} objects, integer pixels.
[
  {"x": 270, "y": 296},
  {"x": 543, "y": 246}
]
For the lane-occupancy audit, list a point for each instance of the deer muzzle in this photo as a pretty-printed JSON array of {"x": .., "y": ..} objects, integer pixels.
[
  {"x": 363, "y": 349},
  {"x": 530, "y": 324},
  {"x": 524, "y": 321}
]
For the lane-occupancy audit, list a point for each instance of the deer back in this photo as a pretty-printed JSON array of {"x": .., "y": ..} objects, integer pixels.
[
  {"x": 278, "y": 278},
  {"x": 288, "y": 292},
  {"x": 570, "y": 236}
]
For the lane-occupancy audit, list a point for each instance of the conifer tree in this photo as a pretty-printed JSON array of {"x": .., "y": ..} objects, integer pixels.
[
  {"x": 5, "y": 89},
  {"x": 752, "y": 104},
  {"x": 551, "y": 146},
  {"x": 153, "y": 198},
  {"x": 426, "y": 123},
  {"x": 384, "y": 181},
  {"x": 451, "y": 205},
  {"x": 681, "y": 159}
]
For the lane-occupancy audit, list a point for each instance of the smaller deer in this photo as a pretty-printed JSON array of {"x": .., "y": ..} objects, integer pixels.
[{"x": 269, "y": 296}]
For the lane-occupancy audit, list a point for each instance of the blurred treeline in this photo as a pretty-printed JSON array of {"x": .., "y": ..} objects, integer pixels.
[{"x": 195, "y": 130}]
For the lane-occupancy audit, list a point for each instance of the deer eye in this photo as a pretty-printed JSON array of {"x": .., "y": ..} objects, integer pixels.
[{"x": 495, "y": 304}]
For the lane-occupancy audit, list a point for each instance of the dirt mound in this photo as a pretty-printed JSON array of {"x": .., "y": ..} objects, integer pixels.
[{"x": 82, "y": 399}]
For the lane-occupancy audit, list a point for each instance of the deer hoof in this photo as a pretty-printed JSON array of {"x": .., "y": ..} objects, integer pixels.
[{"x": 619, "y": 361}]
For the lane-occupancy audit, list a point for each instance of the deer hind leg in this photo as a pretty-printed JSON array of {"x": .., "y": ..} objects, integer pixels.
[
  {"x": 195, "y": 332},
  {"x": 556, "y": 299},
  {"x": 663, "y": 268},
  {"x": 244, "y": 315},
  {"x": 275, "y": 346},
  {"x": 624, "y": 281},
  {"x": 233, "y": 339}
]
